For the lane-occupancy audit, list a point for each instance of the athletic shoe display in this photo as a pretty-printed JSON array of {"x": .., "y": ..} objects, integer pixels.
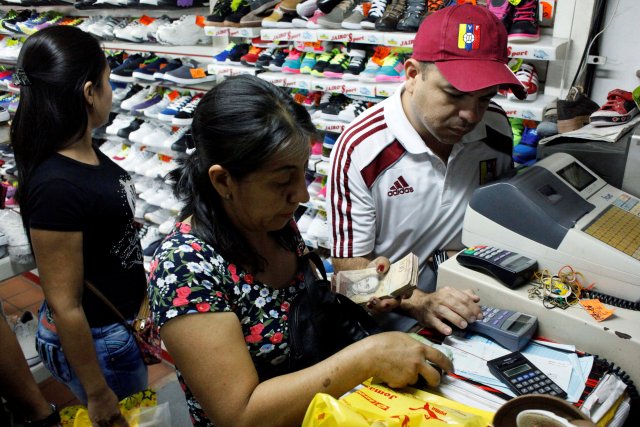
[
  {"x": 619, "y": 109},
  {"x": 524, "y": 28},
  {"x": 528, "y": 76}
]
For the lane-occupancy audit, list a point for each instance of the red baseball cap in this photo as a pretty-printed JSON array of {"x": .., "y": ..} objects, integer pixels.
[{"x": 468, "y": 44}]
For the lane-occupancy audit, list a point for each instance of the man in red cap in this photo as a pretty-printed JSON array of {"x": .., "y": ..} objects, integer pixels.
[{"x": 403, "y": 172}]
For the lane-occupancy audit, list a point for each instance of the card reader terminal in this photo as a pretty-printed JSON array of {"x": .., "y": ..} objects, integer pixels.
[
  {"x": 511, "y": 329},
  {"x": 510, "y": 268}
]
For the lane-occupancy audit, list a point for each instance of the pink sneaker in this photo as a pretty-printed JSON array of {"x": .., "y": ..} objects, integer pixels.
[
  {"x": 313, "y": 21},
  {"x": 316, "y": 150},
  {"x": 502, "y": 9}
]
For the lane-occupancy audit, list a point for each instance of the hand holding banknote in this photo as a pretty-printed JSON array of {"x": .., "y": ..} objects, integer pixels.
[{"x": 362, "y": 285}]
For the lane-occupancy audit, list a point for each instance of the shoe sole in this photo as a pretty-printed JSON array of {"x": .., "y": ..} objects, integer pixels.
[
  {"x": 189, "y": 81},
  {"x": 181, "y": 122},
  {"x": 602, "y": 121},
  {"x": 124, "y": 79},
  {"x": 575, "y": 123},
  {"x": 523, "y": 38}
]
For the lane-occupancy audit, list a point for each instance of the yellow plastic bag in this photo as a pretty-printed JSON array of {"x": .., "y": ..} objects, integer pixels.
[
  {"x": 375, "y": 405},
  {"x": 131, "y": 407}
]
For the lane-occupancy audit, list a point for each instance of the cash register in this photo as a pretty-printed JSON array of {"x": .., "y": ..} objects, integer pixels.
[{"x": 559, "y": 212}]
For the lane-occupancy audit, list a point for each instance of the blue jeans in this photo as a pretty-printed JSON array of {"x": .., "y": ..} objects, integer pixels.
[{"x": 118, "y": 356}]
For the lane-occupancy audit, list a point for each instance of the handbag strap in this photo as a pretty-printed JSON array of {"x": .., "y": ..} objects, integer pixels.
[
  {"x": 108, "y": 303},
  {"x": 311, "y": 281}
]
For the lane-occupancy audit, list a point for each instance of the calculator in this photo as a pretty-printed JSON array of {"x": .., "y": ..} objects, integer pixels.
[{"x": 522, "y": 376}]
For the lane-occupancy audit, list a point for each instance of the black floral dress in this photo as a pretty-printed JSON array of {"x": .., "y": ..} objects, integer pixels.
[{"x": 188, "y": 276}]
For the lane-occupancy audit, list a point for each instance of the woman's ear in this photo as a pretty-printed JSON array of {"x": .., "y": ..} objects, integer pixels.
[
  {"x": 89, "y": 91},
  {"x": 221, "y": 181}
]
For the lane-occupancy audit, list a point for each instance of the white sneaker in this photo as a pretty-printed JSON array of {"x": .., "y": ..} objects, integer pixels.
[
  {"x": 120, "y": 122},
  {"x": 167, "y": 226},
  {"x": 305, "y": 220},
  {"x": 152, "y": 235},
  {"x": 137, "y": 136},
  {"x": 125, "y": 33},
  {"x": 137, "y": 98},
  {"x": 157, "y": 198},
  {"x": 175, "y": 136},
  {"x": 25, "y": 330},
  {"x": 158, "y": 217},
  {"x": 157, "y": 137},
  {"x": 141, "y": 208},
  {"x": 142, "y": 183},
  {"x": 141, "y": 168},
  {"x": 183, "y": 32},
  {"x": 152, "y": 112},
  {"x": 319, "y": 228},
  {"x": 145, "y": 32}
]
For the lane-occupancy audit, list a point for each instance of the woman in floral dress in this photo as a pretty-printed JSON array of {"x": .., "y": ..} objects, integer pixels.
[{"x": 221, "y": 283}]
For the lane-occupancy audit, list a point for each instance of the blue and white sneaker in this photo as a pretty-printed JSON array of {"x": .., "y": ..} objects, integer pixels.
[{"x": 168, "y": 113}]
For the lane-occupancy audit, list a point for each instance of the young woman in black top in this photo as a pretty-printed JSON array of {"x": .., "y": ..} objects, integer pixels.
[{"x": 77, "y": 207}]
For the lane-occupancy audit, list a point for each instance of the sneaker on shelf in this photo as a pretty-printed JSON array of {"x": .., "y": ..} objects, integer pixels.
[
  {"x": 619, "y": 109},
  {"x": 174, "y": 137},
  {"x": 413, "y": 15},
  {"x": 375, "y": 12},
  {"x": 25, "y": 330},
  {"x": 165, "y": 228},
  {"x": 158, "y": 216},
  {"x": 136, "y": 98},
  {"x": 265, "y": 58},
  {"x": 238, "y": 52},
  {"x": 337, "y": 103},
  {"x": 278, "y": 60},
  {"x": 185, "y": 31},
  {"x": 312, "y": 22},
  {"x": 224, "y": 54},
  {"x": 517, "y": 127},
  {"x": 337, "y": 66},
  {"x": 239, "y": 8},
  {"x": 528, "y": 76},
  {"x": 328, "y": 143},
  {"x": 133, "y": 126},
  {"x": 124, "y": 72},
  {"x": 392, "y": 69},
  {"x": 221, "y": 10},
  {"x": 172, "y": 109},
  {"x": 151, "y": 236},
  {"x": 152, "y": 99},
  {"x": 319, "y": 229},
  {"x": 185, "y": 115},
  {"x": 574, "y": 113},
  {"x": 373, "y": 64},
  {"x": 171, "y": 65},
  {"x": 323, "y": 62},
  {"x": 189, "y": 74},
  {"x": 138, "y": 135},
  {"x": 354, "y": 20},
  {"x": 334, "y": 18},
  {"x": 305, "y": 220},
  {"x": 503, "y": 10},
  {"x": 391, "y": 16},
  {"x": 316, "y": 150},
  {"x": 308, "y": 62},
  {"x": 306, "y": 8},
  {"x": 549, "y": 124},
  {"x": 279, "y": 19},
  {"x": 524, "y": 28},
  {"x": 252, "y": 56},
  {"x": 353, "y": 110},
  {"x": 180, "y": 145},
  {"x": 121, "y": 121},
  {"x": 357, "y": 59},
  {"x": 260, "y": 9},
  {"x": 292, "y": 62},
  {"x": 152, "y": 112},
  {"x": 146, "y": 73}
]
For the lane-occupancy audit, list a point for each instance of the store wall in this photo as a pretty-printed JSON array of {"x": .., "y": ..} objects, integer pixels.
[{"x": 620, "y": 44}]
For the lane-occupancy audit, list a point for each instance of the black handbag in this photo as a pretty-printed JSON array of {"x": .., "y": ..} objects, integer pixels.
[{"x": 323, "y": 322}]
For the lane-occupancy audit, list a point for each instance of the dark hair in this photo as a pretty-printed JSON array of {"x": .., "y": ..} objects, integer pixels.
[
  {"x": 52, "y": 114},
  {"x": 239, "y": 124}
]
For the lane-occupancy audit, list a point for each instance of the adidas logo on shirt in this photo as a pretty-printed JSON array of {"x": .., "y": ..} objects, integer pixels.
[{"x": 399, "y": 187}]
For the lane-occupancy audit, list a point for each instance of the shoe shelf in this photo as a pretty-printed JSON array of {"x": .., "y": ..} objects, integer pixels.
[
  {"x": 347, "y": 87},
  {"x": 232, "y": 31},
  {"x": 329, "y": 126},
  {"x": 320, "y": 167},
  {"x": 201, "y": 52},
  {"x": 523, "y": 109},
  {"x": 229, "y": 70}
]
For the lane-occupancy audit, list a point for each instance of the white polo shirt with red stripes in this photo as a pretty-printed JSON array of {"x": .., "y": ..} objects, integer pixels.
[{"x": 389, "y": 195}]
